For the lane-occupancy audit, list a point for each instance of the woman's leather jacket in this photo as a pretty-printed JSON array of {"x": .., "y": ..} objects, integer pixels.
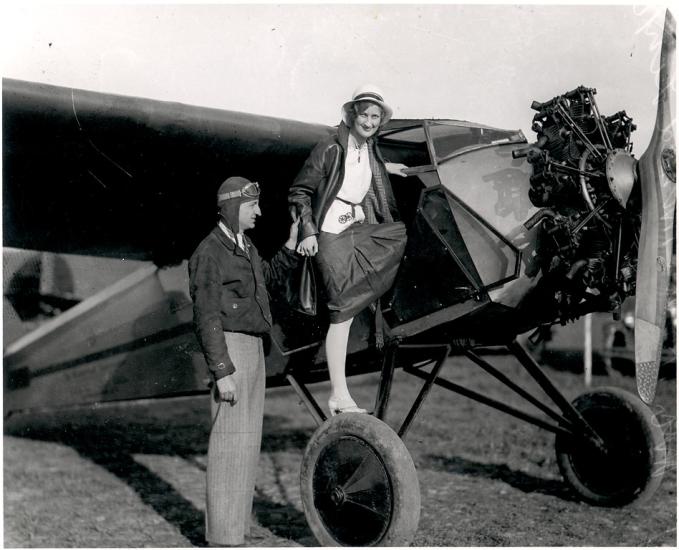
[{"x": 320, "y": 179}]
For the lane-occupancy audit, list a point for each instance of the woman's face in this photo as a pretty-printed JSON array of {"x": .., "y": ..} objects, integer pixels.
[{"x": 367, "y": 121}]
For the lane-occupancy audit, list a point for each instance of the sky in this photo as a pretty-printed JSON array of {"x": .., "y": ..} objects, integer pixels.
[{"x": 479, "y": 63}]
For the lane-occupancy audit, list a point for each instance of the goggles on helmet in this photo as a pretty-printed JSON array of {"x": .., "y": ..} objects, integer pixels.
[{"x": 249, "y": 190}]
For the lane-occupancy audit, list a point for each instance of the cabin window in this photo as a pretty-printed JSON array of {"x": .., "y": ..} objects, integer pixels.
[
  {"x": 407, "y": 145},
  {"x": 437, "y": 209},
  {"x": 485, "y": 256},
  {"x": 437, "y": 271}
]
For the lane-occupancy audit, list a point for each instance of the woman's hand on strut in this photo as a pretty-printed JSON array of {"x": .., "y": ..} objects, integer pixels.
[
  {"x": 396, "y": 169},
  {"x": 309, "y": 246},
  {"x": 228, "y": 391}
]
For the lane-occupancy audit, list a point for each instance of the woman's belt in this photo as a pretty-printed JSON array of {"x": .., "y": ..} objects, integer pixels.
[{"x": 352, "y": 204}]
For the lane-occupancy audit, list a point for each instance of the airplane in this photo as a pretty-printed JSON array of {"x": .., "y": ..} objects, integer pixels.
[{"x": 504, "y": 236}]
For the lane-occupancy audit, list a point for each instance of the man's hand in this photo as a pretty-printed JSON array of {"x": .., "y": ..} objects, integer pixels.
[
  {"x": 309, "y": 246},
  {"x": 396, "y": 169},
  {"x": 291, "y": 243},
  {"x": 228, "y": 391}
]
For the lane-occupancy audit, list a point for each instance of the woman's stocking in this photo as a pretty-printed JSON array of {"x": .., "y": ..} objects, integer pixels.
[{"x": 336, "y": 352}]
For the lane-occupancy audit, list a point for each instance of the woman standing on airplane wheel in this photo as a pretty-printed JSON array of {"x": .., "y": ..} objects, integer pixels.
[{"x": 350, "y": 222}]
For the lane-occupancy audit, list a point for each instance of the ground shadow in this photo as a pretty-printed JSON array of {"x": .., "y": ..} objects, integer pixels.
[
  {"x": 283, "y": 520},
  {"x": 278, "y": 438},
  {"x": 112, "y": 446},
  {"x": 517, "y": 479},
  {"x": 112, "y": 442}
]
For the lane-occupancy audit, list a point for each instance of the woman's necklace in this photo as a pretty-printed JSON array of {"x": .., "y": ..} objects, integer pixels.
[{"x": 358, "y": 150}]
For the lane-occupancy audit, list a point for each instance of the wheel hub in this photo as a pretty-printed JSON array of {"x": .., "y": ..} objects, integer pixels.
[
  {"x": 337, "y": 496},
  {"x": 352, "y": 487}
]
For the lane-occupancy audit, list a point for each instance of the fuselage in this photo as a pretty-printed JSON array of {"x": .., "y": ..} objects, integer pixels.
[{"x": 119, "y": 177}]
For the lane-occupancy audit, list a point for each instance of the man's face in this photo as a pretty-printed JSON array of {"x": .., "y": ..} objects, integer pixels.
[
  {"x": 247, "y": 215},
  {"x": 367, "y": 121}
]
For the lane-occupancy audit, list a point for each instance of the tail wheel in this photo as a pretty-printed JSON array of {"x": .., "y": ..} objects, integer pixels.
[
  {"x": 359, "y": 484},
  {"x": 630, "y": 467}
]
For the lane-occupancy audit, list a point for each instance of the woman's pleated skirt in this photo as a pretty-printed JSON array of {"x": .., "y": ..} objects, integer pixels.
[{"x": 359, "y": 265}]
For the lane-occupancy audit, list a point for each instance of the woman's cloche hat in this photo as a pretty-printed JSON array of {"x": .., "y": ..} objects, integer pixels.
[{"x": 368, "y": 92}]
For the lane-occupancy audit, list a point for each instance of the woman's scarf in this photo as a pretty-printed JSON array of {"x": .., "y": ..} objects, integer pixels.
[{"x": 375, "y": 205}]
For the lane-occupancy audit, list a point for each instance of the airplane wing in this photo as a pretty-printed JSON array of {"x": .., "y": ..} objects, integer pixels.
[{"x": 117, "y": 176}]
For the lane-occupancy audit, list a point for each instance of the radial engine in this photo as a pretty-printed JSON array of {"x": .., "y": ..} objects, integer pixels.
[{"x": 583, "y": 181}]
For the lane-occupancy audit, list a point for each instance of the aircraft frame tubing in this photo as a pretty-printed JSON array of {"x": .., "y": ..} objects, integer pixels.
[
  {"x": 308, "y": 399},
  {"x": 384, "y": 388},
  {"x": 388, "y": 366},
  {"x": 568, "y": 423}
]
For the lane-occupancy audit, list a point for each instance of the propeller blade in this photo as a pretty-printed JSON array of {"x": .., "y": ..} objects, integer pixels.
[{"x": 657, "y": 179}]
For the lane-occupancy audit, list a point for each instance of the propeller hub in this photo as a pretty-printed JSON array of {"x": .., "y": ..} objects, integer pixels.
[{"x": 620, "y": 174}]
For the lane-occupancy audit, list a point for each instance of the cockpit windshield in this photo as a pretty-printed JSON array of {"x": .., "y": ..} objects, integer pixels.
[
  {"x": 442, "y": 138},
  {"x": 449, "y": 137}
]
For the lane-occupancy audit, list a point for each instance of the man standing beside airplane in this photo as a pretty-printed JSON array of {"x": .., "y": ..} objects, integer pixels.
[{"x": 231, "y": 313}]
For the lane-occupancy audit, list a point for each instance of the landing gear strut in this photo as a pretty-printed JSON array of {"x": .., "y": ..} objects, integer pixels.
[{"x": 359, "y": 485}]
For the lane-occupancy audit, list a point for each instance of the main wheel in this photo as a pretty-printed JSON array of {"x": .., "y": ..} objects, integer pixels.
[
  {"x": 359, "y": 484},
  {"x": 632, "y": 463}
]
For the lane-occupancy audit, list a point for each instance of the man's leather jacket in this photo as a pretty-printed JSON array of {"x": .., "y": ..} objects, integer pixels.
[
  {"x": 228, "y": 288},
  {"x": 320, "y": 179}
]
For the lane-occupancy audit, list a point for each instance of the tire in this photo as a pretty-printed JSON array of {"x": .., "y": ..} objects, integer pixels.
[
  {"x": 631, "y": 467},
  {"x": 359, "y": 484}
]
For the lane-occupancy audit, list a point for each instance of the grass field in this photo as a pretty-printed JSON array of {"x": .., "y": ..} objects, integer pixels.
[{"x": 134, "y": 475}]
